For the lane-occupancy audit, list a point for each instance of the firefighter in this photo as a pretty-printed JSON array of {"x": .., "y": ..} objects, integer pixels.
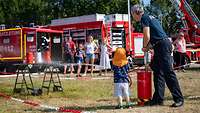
[
  {"x": 45, "y": 50},
  {"x": 155, "y": 36},
  {"x": 45, "y": 43}
]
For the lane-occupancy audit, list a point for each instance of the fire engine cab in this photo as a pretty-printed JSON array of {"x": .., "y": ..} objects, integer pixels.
[{"x": 25, "y": 45}]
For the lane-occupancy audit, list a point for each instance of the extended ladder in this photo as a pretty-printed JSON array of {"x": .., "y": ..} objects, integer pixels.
[{"x": 184, "y": 7}]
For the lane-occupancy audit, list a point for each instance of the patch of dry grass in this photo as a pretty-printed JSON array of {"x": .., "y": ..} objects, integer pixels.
[{"x": 97, "y": 95}]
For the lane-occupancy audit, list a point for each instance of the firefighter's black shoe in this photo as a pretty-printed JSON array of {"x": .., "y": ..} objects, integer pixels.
[{"x": 177, "y": 104}]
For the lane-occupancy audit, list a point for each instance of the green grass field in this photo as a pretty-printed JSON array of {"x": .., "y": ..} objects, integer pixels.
[{"x": 97, "y": 96}]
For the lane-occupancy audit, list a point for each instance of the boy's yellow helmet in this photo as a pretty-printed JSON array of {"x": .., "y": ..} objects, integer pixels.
[{"x": 120, "y": 57}]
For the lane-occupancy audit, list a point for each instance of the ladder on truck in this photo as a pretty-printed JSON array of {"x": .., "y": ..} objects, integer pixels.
[
  {"x": 118, "y": 37},
  {"x": 184, "y": 7},
  {"x": 191, "y": 13}
]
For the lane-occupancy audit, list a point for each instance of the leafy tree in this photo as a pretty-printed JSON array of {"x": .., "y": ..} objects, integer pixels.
[
  {"x": 2, "y": 19},
  {"x": 41, "y": 12},
  {"x": 165, "y": 11},
  {"x": 22, "y": 12},
  {"x": 195, "y": 4}
]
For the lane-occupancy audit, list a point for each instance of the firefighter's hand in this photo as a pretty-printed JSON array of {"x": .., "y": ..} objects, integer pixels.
[{"x": 144, "y": 49}]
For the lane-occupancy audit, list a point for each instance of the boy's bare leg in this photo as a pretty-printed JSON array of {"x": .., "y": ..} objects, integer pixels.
[
  {"x": 65, "y": 69},
  {"x": 119, "y": 100},
  {"x": 71, "y": 70},
  {"x": 79, "y": 70},
  {"x": 86, "y": 68},
  {"x": 127, "y": 99},
  {"x": 127, "y": 102}
]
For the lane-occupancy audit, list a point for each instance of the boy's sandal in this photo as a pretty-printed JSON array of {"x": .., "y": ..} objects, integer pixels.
[
  {"x": 119, "y": 107},
  {"x": 129, "y": 105}
]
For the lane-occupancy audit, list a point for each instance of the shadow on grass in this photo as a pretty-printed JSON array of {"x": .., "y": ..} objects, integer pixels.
[
  {"x": 92, "y": 108},
  {"x": 186, "y": 97},
  {"x": 134, "y": 105}
]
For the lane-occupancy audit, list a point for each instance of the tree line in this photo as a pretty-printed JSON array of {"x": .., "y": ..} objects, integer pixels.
[{"x": 41, "y": 12}]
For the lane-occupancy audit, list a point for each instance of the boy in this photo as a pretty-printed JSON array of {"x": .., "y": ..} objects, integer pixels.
[
  {"x": 79, "y": 55},
  {"x": 122, "y": 81}
]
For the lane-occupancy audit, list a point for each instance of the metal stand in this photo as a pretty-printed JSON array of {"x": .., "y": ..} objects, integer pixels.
[
  {"x": 23, "y": 70},
  {"x": 53, "y": 79}
]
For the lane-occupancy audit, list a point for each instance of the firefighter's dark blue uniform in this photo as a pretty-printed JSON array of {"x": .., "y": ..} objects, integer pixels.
[{"x": 162, "y": 63}]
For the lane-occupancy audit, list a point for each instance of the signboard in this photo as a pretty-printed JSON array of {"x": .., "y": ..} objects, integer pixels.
[{"x": 10, "y": 44}]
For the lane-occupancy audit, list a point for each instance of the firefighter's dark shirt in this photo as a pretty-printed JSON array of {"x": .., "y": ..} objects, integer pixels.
[{"x": 156, "y": 30}]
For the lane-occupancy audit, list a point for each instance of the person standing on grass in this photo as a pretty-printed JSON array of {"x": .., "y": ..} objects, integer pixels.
[
  {"x": 180, "y": 49},
  {"x": 79, "y": 54},
  {"x": 90, "y": 50},
  {"x": 104, "y": 56},
  {"x": 162, "y": 65},
  {"x": 69, "y": 52},
  {"x": 122, "y": 80}
]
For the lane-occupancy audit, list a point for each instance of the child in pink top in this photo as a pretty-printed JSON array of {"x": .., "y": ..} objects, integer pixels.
[{"x": 180, "y": 48}]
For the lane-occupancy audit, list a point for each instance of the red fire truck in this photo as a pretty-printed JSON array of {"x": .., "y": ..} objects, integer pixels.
[
  {"x": 113, "y": 28},
  {"x": 191, "y": 28},
  {"x": 22, "y": 45}
]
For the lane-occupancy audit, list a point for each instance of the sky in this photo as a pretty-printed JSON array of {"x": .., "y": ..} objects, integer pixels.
[{"x": 146, "y": 2}]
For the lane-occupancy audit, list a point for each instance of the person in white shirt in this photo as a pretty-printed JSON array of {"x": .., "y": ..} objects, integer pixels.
[
  {"x": 104, "y": 56},
  {"x": 90, "y": 50}
]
